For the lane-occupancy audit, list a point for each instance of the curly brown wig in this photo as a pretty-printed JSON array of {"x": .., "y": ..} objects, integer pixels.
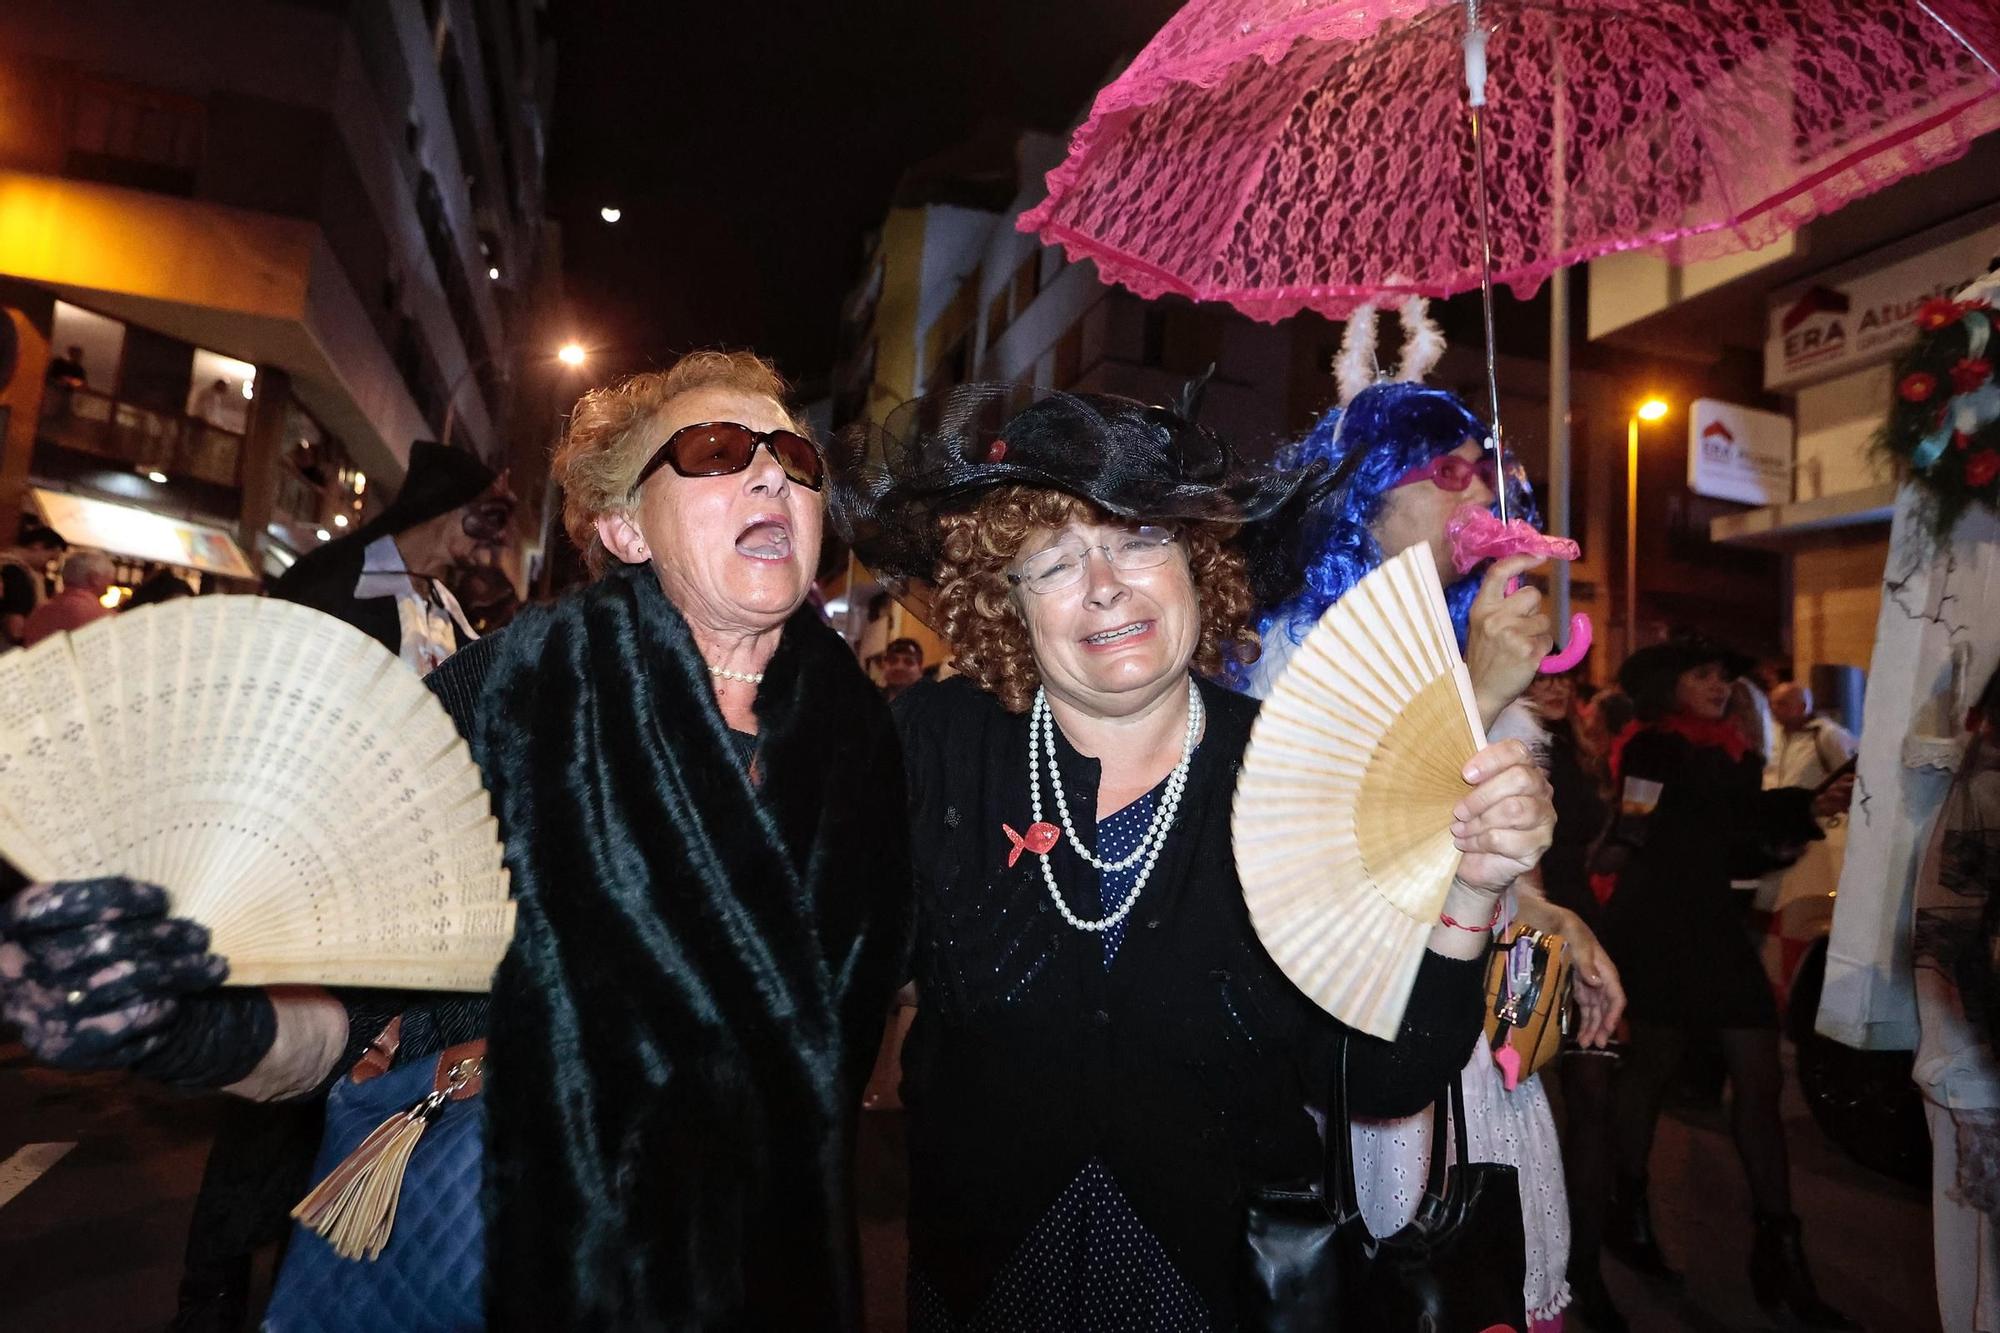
[{"x": 976, "y": 604}]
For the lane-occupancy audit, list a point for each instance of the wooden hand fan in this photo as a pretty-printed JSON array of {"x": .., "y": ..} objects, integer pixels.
[
  {"x": 289, "y": 782},
  {"x": 1343, "y": 812}
]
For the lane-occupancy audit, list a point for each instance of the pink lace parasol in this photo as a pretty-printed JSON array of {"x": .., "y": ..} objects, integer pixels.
[{"x": 1315, "y": 154}]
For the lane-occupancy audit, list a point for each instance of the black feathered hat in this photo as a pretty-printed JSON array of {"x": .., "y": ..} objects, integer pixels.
[{"x": 941, "y": 452}]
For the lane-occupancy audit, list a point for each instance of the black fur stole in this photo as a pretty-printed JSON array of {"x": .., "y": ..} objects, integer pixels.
[{"x": 697, "y": 984}]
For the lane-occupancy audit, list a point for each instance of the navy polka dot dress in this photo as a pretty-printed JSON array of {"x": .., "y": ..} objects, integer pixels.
[{"x": 1089, "y": 1265}]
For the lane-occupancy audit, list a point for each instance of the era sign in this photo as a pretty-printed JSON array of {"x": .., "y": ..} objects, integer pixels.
[
  {"x": 1832, "y": 327},
  {"x": 1738, "y": 453}
]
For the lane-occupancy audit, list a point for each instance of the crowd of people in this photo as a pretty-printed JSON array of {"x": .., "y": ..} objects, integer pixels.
[{"x": 733, "y": 842}]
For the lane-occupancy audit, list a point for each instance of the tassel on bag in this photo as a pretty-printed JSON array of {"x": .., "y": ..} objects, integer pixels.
[{"x": 354, "y": 1208}]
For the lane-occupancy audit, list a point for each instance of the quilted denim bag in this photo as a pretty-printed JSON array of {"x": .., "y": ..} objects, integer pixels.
[{"x": 429, "y": 1274}]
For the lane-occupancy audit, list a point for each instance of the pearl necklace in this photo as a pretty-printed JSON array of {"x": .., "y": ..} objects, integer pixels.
[
  {"x": 1042, "y": 738},
  {"x": 747, "y": 677}
]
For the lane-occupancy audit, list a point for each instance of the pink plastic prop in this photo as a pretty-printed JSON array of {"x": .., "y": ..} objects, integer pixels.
[
  {"x": 1477, "y": 536},
  {"x": 1284, "y": 155},
  {"x": 1509, "y": 1061}
]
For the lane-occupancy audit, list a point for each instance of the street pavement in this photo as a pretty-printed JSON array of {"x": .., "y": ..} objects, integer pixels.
[{"x": 91, "y": 1244}]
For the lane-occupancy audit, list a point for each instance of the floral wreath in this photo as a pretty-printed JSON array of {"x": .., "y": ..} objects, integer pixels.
[{"x": 1944, "y": 424}]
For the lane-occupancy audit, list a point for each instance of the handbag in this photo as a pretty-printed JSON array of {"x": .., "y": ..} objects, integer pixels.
[
  {"x": 1459, "y": 1266},
  {"x": 1529, "y": 988},
  {"x": 396, "y": 1241}
]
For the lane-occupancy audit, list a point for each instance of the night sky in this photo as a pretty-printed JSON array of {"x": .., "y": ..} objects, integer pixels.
[{"x": 752, "y": 145}]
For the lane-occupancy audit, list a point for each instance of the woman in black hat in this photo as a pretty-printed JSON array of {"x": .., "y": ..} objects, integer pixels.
[
  {"x": 1105, "y": 1059},
  {"x": 1692, "y": 815}
]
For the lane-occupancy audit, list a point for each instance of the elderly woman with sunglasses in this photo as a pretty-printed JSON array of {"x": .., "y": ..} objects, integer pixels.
[
  {"x": 1105, "y": 1060},
  {"x": 691, "y": 775}
]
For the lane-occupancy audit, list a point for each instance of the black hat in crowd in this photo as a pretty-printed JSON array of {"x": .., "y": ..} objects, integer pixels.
[
  {"x": 942, "y": 452},
  {"x": 439, "y": 480},
  {"x": 1648, "y": 675}
]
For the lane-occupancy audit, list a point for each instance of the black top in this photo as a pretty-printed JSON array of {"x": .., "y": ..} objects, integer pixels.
[
  {"x": 1185, "y": 1066},
  {"x": 1690, "y": 819}
]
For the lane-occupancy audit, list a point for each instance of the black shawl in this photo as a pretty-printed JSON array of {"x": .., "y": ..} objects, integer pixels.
[{"x": 683, "y": 1027}]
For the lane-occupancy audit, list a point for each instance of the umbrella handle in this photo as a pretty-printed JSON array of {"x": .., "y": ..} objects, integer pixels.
[
  {"x": 1475, "y": 56},
  {"x": 1579, "y": 641}
]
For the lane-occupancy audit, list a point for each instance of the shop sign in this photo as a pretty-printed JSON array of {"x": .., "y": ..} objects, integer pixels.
[
  {"x": 1739, "y": 453},
  {"x": 1829, "y": 328},
  {"x": 141, "y": 534}
]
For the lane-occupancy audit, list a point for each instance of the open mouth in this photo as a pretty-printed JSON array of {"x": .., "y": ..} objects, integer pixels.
[
  {"x": 1114, "y": 636},
  {"x": 766, "y": 537}
]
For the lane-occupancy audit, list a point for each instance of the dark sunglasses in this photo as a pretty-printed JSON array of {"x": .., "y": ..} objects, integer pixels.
[
  {"x": 1449, "y": 472},
  {"x": 723, "y": 448},
  {"x": 486, "y": 520}
]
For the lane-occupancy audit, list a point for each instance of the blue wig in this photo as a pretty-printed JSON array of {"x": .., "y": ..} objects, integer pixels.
[{"x": 1388, "y": 428}]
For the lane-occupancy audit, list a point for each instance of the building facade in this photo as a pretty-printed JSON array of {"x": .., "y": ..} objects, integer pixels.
[{"x": 251, "y": 252}]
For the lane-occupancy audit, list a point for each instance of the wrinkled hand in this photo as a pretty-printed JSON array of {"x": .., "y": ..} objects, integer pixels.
[
  {"x": 1835, "y": 799},
  {"x": 1507, "y": 636},
  {"x": 1506, "y": 821},
  {"x": 92, "y": 970}
]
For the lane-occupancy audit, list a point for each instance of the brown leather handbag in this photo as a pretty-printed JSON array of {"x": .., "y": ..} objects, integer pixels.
[{"x": 1529, "y": 994}]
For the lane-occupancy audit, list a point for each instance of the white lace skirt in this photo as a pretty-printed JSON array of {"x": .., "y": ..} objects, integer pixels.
[{"x": 1391, "y": 1158}]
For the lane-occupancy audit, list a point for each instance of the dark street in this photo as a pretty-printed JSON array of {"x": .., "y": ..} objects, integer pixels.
[{"x": 93, "y": 1243}]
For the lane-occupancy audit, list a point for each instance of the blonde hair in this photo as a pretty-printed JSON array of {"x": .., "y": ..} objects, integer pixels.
[{"x": 609, "y": 436}]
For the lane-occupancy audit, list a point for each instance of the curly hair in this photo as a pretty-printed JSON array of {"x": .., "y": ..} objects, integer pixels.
[
  {"x": 1396, "y": 426},
  {"x": 979, "y": 619},
  {"x": 610, "y": 434}
]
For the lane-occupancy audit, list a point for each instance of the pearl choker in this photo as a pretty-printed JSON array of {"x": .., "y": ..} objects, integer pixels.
[
  {"x": 1042, "y": 737},
  {"x": 747, "y": 677}
]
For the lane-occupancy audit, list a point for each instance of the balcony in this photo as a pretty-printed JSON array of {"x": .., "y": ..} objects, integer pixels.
[{"x": 143, "y": 439}]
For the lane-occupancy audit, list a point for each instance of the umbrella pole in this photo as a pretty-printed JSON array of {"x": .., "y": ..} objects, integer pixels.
[{"x": 1475, "y": 83}]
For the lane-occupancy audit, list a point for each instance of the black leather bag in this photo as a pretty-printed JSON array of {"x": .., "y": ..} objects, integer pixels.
[{"x": 1459, "y": 1266}]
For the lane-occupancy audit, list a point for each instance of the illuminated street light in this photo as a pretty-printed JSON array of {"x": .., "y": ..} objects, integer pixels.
[
  {"x": 572, "y": 354},
  {"x": 157, "y": 476},
  {"x": 493, "y": 273},
  {"x": 610, "y": 214},
  {"x": 340, "y": 520},
  {"x": 1651, "y": 408},
  {"x": 325, "y": 536}
]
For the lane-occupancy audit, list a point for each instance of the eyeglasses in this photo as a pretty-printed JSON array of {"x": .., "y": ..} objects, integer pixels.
[
  {"x": 1062, "y": 565},
  {"x": 1450, "y": 472},
  {"x": 723, "y": 448}
]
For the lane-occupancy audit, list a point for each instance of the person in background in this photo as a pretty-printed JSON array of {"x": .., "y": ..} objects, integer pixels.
[
  {"x": 1810, "y": 747},
  {"x": 164, "y": 586},
  {"x": 486, "y": 595},
  {"x": 1692, "y": 815},
  {"x": 387, "y": 577},
  {"x": 902, "y": 666},
  {"x": 86, "y": 577},
  {"x": 24, "y": 579},
  {"x": 66, "y": 371}
]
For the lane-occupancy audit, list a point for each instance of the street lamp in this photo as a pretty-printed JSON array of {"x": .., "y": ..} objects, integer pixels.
[
  {"x": 1652, "y": 408},
  {"x": 570, "y": 354},
  {"x": 610, "y": 214}
]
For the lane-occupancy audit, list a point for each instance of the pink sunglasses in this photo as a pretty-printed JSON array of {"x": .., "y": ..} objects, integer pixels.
[{"x": 1449, "y": 472}]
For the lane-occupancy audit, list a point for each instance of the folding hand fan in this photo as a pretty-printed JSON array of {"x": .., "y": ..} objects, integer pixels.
[
  {"x": 1343, "y": 812},
  {"x": 289, "y": 782}
]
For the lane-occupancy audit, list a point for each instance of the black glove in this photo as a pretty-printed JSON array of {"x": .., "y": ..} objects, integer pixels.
[{"x": 97, "y": 976}]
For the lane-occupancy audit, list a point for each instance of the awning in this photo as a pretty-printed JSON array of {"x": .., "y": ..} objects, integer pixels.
[
  {"x": 1780, "y": 526},
  {"x": 141, "y": 534}
]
